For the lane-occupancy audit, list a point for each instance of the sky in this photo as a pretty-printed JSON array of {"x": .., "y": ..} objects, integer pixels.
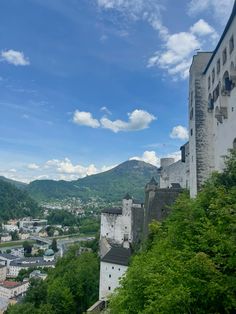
[{"x": 88, "y": 84}]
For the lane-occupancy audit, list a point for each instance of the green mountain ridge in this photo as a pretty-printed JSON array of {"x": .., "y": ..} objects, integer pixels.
[
  {"x": 130, "y": 176},
  {"x": 15, "y": 203}
]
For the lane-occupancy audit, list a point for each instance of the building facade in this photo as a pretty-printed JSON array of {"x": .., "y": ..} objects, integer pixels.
[{"x": 212, "y": 107}]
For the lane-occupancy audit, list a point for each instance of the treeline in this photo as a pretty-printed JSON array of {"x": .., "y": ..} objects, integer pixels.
[
  {"x": 189, "y": 262},
  {"x": 70, "y": 288},
  {"x": 15, "y": 203}
]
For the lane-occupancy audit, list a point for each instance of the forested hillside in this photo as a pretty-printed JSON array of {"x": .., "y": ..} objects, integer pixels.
[
  {"x": 189, "y": 262},
  {"x": 130, "y": 176},
  {"x": 15, "y": 203}
]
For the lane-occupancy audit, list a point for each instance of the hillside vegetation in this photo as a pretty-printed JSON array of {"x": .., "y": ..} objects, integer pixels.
[
  {"x": 15, "y": 203},
  {"x": 189, "y": 262},
  {"x": 70, "y": 288},
  {"x": 130, "y": 176}
]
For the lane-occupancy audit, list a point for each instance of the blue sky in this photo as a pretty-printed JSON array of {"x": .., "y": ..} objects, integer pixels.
[{"x": 88, "y": 84}]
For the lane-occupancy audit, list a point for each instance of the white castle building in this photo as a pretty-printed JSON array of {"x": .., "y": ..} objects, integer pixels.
[
  {"x": 212, "y": 107},
  {"x": 212, "y": 115},
  {"x": 120, "y": 228}
]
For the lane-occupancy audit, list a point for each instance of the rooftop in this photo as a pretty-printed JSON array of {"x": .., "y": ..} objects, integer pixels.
[
  {"x": 117, "y": 255},
  {"x": 31, "y": 262},
  {"x": 8, "y": 256},
  {"x": 113, "y": 211},
  {"x": 11, "y": 284}
]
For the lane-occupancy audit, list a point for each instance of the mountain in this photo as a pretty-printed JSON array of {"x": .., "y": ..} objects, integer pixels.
[
  {"x": 130, "y": 176},
  {"x": 18, "y": 184},
  {"x": 15, "y": 203}
]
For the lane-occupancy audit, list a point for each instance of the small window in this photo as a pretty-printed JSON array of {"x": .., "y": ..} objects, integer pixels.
[
  {"x": 109, "y": 288},
  {"x": 191, "y": 132},
  {"x": 224, "y": 55},
  {"x": 231, "y": 44},
  {"x": 218, "y": 66},
  {"x": 110, "y": 276},
  {"x": 119, "y": 269},
  {"x": 216, "y": 92},
  {"x": 234, "y": 144},
  {"x": 191, "y": 114},
  {"x": 213, "y": 76},
  {"x": 191, "y": 98},
  {"x": 112, "y": 267},
  {"x": 125, "y": 227},
  {"x": 107, "y": 233},
  {"x": 209, "y": 82}
]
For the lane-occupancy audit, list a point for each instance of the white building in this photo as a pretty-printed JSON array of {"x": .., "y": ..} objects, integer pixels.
[
  {"x": 120, "y": 228},
  {"x": 3, "y": 272},
  {"x": 28, "y": 262},
  {"x": 6, "y": 237},
  {"x": 113, "y": 266},
  {"x": 11, "y": 289},
  {"x": 10, "y": 228},
  {"x": 212, "y": 107},
  {"x": 172, "y": 172}
]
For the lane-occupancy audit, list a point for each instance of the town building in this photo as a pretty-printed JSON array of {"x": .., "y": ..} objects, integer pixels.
[
  {"x": 10, "y": 227},
  {"x": 212, "y": 107},
  {"x": 26, "y": 263},
  {"x": 11, "y": 289},
  {"x": 32, "y": 225},
  {"x": 3, "y": 272},
  {"x": 5, "y": 237},
  {"x": 37, "y": 274}
]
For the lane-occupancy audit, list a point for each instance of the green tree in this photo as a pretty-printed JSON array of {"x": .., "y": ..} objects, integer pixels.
[
  {"x": 54, "y": 245},
  {"x": 27, "y": 247}
]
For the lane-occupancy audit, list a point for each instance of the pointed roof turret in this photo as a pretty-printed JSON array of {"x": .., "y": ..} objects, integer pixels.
[
  {"x": 153, "y": 181},
  {"x": 127, "y": 197}
]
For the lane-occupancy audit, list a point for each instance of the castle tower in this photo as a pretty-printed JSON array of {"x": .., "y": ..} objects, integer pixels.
[{"x": 150, "y": 190}]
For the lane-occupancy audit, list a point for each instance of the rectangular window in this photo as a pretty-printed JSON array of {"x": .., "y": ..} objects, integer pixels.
[
  {"x": 213, "y": 76},
  {"x": 231, "y": 44},
  {"x": 218, "y": 66},
  {"x": 209, "y": 82},
  {"x": 109, "y": 276},
  {"x": 224, "y": 55},
  {"x": 109, "y": 288},
  {"x": 191, "y": 132}
]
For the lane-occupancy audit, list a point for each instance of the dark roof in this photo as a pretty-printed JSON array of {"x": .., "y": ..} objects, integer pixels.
[
  {"x": 117, "y": 255},
  {"x": 153, "y": 181},
  {"x": 175, "y": 186},
  {"x": 232, "y": 16},
  {"x": 31, "y": 262},
  {"x": 8, "y": 256},
  {"x": 113, "y": 211},
  {"x": 127, "y": 197}
]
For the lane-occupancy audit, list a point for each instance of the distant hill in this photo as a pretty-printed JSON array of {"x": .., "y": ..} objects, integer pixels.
[
  {"x": 18, "y": 184},
  {"x": 130, "y": 176},
  {"x": 15, "y": 203}
]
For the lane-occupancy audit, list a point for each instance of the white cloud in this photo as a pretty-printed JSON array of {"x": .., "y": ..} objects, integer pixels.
[
  {"x": 149, "y": 157},
  {"x": 12, "y": 170},
  {"x": 220, "y": 9},
  {"x": 70, "y": 171},
  {"x": 202, "y": 28},
  {"x": 145, "y": 10},
  {"x": 14, "y": 57},
  {"x": 138, "y": 120},
  {"x": 106, "y": 110},
  {"x": 85, "y": 118},
  {"x": 33, "y": 166},
  {"x": 179, "y": 132},
  {"x": 176, "y": 55}
]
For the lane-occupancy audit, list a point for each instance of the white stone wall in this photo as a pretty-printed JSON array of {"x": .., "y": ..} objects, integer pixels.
[
  {"x": 3, "y": 273},
  {"x": 212, "y": 130},
  {"x": 110, "y": 275}
]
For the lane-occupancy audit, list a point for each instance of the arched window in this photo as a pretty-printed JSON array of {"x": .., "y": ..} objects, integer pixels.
[
  {"x": 233, "y": 73},
  {"x": 234, "y": 144},
  {"x": 210, "y": 102},
  {"x": 226, "y": 84}
]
